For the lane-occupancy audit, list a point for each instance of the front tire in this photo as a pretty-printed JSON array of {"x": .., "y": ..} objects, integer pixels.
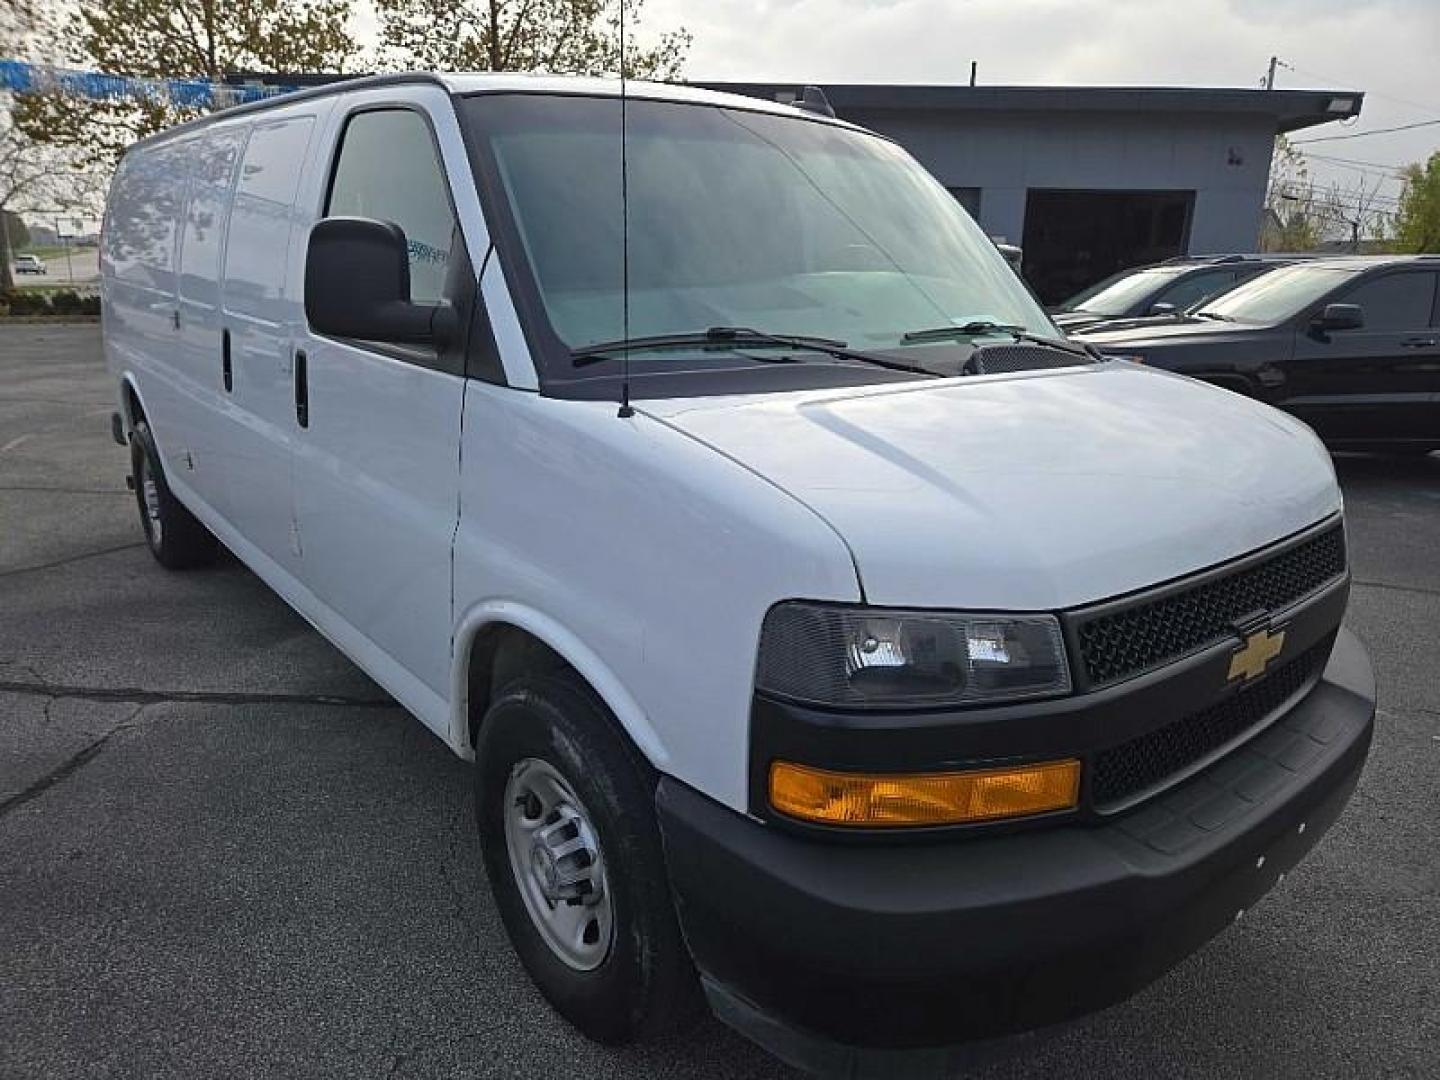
[
  {"x": 566, "y": 812},
  {"x": 175, "y": 537}
]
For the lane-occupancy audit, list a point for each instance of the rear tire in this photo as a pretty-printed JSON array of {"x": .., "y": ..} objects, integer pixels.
[
  {"x": 566, "y": 812},
  {"x": 175, "y": 537}
]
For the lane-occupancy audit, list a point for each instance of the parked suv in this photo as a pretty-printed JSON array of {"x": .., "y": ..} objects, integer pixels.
[
  {"x": 1163, "y": 289},
  {"x": 834, "y": 642},
  {"x": 29, "y": 264},
  {"x": 1351, "y": 346}
]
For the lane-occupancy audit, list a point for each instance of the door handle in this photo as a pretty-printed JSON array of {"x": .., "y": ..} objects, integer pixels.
[
  {"x": 227, "y": 375},
  {"x": 302, "y": 390},
  {"x": 1420, "y": 343}
]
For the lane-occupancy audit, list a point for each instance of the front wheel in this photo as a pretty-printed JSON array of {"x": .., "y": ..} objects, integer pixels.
[{"x": 567, "y": 827}]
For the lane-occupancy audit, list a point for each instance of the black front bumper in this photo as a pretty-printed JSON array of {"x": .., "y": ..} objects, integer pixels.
[{"x": 826, "y": 953}]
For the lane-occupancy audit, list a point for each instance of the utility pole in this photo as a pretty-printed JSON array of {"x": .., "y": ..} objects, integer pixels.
[
  {"x": 1270, "y": 74},
  {"x": 65, "y": 243}
]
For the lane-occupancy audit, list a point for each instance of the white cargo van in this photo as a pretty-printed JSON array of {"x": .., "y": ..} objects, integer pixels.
[{"x": 835, "y": 643}]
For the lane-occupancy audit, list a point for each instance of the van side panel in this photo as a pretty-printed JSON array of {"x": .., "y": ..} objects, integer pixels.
[
  {"x": 212, "y": 159},
  {"x": 138, "y": 263},
  {"x": 261, "y": 310},
  {"x": 658, "y": 554}
]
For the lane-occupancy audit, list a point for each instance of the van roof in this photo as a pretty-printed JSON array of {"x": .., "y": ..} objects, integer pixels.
[{"x": 462, "y": 84}]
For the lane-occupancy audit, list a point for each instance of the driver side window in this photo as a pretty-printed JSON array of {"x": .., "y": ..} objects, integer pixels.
[
  {"x": 1395, "y": 301},
  {"x": 387, "y": 169}
]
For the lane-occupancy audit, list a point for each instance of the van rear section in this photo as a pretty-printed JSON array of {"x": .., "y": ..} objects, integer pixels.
[{"x": 836, "y": 645}]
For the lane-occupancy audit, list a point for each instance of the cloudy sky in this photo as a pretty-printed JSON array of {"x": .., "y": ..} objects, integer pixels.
[{"x": 1389, "y": 48}]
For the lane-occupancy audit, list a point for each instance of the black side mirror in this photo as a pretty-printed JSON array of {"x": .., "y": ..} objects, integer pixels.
[
  {"x": 1340, "y": 317},
  {"x": 357, "y": 285},
  {"x": 1162, "y": 307}
]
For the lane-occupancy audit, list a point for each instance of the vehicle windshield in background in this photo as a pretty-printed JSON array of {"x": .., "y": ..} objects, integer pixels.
[
  {"x": 1118, "y": 293},
  {"x": 1274, "y": 297},
  {"x": 736, "y": 219}
]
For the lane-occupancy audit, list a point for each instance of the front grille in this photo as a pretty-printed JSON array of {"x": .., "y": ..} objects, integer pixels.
[
  {"x": 1146, "y": 762},
  {"x": 1117, "y": 644}
]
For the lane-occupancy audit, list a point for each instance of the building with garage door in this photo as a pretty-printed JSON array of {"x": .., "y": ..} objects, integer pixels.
[{"x": 1092, "y": 180}]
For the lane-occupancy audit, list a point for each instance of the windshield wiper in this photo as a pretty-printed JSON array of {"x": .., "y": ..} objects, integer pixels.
[
  {"x": 739, "y": 336},
  {"x": 1211, "y": 315},
  {"x": 976, "y": 327}
]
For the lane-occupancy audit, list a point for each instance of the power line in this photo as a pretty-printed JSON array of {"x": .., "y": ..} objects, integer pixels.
[
  {"x": 1383, "y": 176},
  {"x": 1397, "y": 170},
  {"x": 1363, "y": 134}
]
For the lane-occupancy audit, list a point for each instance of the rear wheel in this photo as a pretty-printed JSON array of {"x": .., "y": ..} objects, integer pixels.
[
  {"x": 566, "y": 813},
  {"x": 176, "y": 538}
]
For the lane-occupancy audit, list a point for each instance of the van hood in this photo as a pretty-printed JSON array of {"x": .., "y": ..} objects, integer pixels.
[{"x": 1038, "y": 491}]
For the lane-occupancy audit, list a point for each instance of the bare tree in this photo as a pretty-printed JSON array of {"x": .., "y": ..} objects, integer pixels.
[
  {"x": 1304, "y": 214},
  {"x": 34, "y": 178}
]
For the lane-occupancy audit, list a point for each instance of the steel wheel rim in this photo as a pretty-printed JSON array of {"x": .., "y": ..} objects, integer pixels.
[
  {"x": 557, "y": 865},
  {"x": 150, "y": 503}
]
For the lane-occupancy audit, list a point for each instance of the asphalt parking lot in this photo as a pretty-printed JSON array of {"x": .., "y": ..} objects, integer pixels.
[{"x": 225, "y": 852}]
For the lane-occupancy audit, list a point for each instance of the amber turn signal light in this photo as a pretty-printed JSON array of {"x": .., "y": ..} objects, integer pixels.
[{"x": 900, "y": 799}]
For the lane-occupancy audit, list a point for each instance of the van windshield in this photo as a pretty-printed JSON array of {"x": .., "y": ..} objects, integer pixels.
[{"x": 736, "y": 219}]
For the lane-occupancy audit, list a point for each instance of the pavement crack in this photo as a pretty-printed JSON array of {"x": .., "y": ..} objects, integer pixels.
[
  {"x": 71, "y": 765},
  {"x": 1418, "y": 589},
  {"x": 141, "y": 696},
  {"x": 63, "y": 490},
  {"x": 70, "y": 559}
]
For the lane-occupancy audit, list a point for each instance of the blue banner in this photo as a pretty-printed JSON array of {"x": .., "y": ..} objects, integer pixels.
[{"x": 22, "y": 77}]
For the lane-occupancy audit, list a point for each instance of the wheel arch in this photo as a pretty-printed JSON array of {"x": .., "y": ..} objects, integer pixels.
[
  {"x": 132, "y": 402},
  {"x": 482, "y": 638}
]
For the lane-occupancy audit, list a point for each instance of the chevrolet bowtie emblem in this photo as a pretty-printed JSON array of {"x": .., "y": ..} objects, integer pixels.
[{"x": 1251, "y": 659}]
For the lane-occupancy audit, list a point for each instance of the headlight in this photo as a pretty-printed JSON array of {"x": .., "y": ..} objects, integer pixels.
[{"x": 833, "y": 654}]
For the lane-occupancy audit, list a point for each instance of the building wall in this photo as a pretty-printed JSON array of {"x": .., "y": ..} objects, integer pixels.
[{"x": 1223, "y": 158}]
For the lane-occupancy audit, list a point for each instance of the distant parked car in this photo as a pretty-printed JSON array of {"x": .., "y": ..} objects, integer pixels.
[
  {"x": 29, "y": 264},
  {"x": 1167, "y": 288},
  {"x": 1350, "y": 346}
]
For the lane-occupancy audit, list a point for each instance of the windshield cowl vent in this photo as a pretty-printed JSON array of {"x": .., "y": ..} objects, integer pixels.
[{"x": 1004, "y": 359}]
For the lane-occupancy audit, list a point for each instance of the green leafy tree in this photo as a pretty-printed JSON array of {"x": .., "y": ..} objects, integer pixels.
[
  {"x": 177, "y": 39},
  {"x": 576, "y": 37},
  {"x": 1417, "y": 223}
]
